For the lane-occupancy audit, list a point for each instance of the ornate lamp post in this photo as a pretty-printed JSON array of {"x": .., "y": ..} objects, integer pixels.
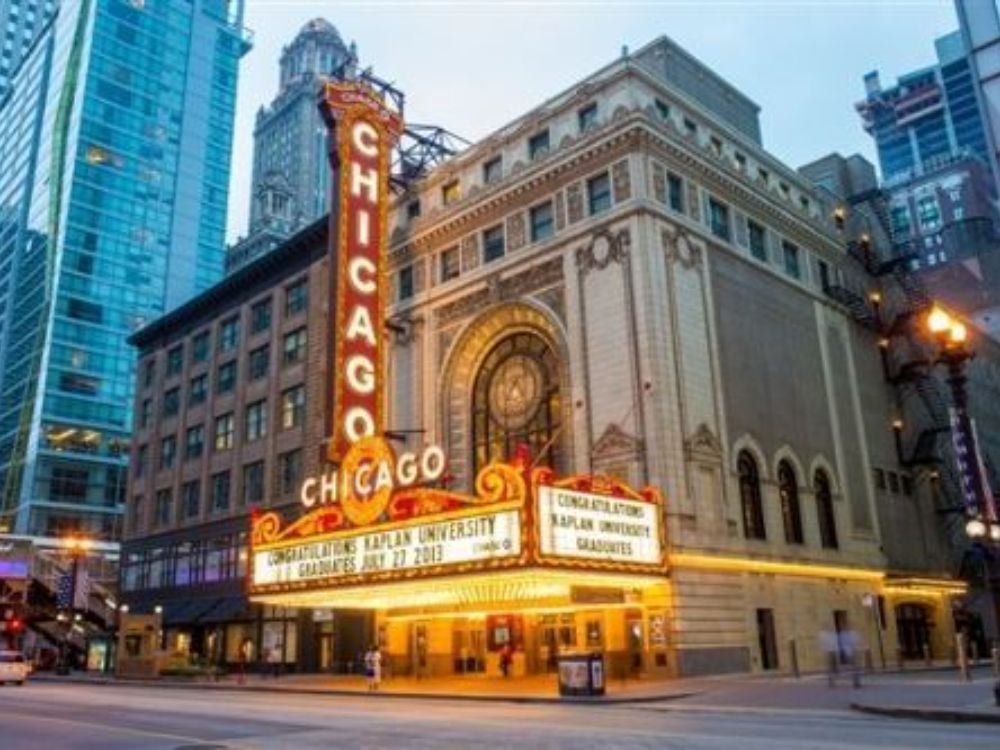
[{"x": 951, "y": 336}]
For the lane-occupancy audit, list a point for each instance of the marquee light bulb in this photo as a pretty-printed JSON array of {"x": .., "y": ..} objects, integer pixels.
[{"x": 938, "y": 321}]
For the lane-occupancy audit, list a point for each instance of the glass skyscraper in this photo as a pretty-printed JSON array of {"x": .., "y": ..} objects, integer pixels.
[
  {"x": 115, "y": 137},
  {"x": 929, "y": 116}
]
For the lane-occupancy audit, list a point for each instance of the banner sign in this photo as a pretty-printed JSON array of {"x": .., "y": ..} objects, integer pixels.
[
  {"x": 593, "y": 527},
  {"x": 363, "y": 131},
  {"x": 442, "y": 542}
]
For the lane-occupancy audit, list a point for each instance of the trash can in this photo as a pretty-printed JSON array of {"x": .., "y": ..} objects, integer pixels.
[{"x": 581, "y": 674}]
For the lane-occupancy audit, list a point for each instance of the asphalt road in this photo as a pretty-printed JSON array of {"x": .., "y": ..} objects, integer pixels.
[{"x": 54, "y": 716}]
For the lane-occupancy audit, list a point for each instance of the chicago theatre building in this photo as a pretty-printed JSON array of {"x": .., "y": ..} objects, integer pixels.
[{"x": 616, "y": 412}]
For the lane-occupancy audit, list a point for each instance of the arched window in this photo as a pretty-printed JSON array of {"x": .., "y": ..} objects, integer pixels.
[
  {"x": 824, "y": 510},
  {"x": 753, "y": 509},
  {"x": 515, "y": 399},
  {"x": 791, "y": 515}
]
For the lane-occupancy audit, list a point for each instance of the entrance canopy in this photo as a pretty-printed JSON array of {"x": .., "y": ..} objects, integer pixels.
[
  {"x": 525, "y": 539},
  {"x": 530, "y": 588}
]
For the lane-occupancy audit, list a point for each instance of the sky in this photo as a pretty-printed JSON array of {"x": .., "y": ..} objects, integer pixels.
[{"x": 472, "y": 66}]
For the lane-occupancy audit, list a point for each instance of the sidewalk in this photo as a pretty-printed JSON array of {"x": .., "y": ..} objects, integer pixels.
[
  {"x": 935, "y": 693},
  {"x": 536, "y": 689}
]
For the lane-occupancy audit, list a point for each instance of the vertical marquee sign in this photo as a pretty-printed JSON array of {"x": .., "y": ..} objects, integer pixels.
[{"x": 363, "y": 131}]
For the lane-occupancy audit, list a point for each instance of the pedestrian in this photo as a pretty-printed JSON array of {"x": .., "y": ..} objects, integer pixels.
[
  {"x": 506, "y": 658},
  {"x": 849, "y": 643},
  {"x": 373, "y": 668},
  {"x": 242, "y": 655}
]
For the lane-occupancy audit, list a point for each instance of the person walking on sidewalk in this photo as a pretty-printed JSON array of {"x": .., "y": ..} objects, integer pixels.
[{"x": 373, "y": 668}]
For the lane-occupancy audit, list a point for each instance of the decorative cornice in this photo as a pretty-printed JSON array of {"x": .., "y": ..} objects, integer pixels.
[{"x": 499, "y": 289}]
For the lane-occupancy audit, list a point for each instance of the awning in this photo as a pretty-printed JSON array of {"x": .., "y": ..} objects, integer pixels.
[
  {"x": 223, "y": 610},
  {"x": 186, "y": 612}
]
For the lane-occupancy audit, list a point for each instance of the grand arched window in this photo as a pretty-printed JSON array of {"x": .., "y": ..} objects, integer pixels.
[
  {"x": 791, "y": 514},
  {"x": 515, "y": 400},
  {"x": 753, "y": 509},
  {"x": 824, "y": 510}
]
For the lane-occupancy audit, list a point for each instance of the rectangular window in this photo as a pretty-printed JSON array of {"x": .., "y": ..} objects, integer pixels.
[
  {"x": 289, "y": 471},
  {"x": 879, "y": 479},
  {"x": 493, "y": 244},
  {"x": 449, "y": 264},
  {"x": 296, "y": 298},
  {"x": 413, "y": 209},
  {"x": 260, "y": 360},
  {"x": 253, "y": 483},
  {"x": 197, "y": 390},
  {"x": 716, "y": 145},
  {"x": 149, "y": 372},
  {"x": 168, "y": 452},
  {"x": 405, "y": 283},
  {"x": 450, "y": 192},
  {"x": 162, "y": 510},
  {"x": 260, "y": 316},
  {"x": 690, "y": 127},
  {"x": 256, "y": 421},
  {"x": 538, "y": 145},
  {"x": 675, "y": 193},
  {"x": 928, "y": 213},
  {"x": 757, "y": 236},
  {"x": 171, "y": 402},
  {"x": 662, "y": 109},
  {"x": 542, "y": 224},
  {"x": 146, "y": 413},
  {"x": 220, "y": 491},
  {"x": 194, "y": 442},
  {"x": 69, "y": 485},
  {"x": 718, "y": 218},
  {"x": 141, "y": 460},
  {"x": 229, "y": 334},
  {"x": 224, "y": 432},
  {"x": 175, "y": 360},
  {"x": 493, "y": 170},
  {"x": 599, "y": 193},
  {"x": 295, "y": 347},
  {"x": 191, "y": 494},
  {"x": 587, "y": 117},
  {"x": 741, "y": 161},
  {"x": 225, "y": 377},
  {"x": 293, "y": 407},
  {"x": 199, "y": 347},
  {"x": 824, "y": 274},
  {"x": 790, "y": 253}
]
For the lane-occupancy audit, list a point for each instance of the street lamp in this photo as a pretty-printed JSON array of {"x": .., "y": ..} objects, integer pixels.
[
  {"x": 78, "y": 547},
  {"x": 951, "y": 336}
]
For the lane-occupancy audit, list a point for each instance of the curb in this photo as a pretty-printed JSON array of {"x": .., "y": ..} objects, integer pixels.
[
  {"x": 952, "y": 716},
  {"x": 410, "y": 695}
]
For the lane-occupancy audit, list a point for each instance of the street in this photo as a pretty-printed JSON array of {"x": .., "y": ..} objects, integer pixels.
[{"x": 52, "y": 716}]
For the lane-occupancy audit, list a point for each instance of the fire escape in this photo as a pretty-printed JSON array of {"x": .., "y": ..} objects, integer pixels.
[{"x": 888, "y": 299}]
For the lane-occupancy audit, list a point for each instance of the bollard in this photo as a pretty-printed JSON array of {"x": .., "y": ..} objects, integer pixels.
[
  {"x": 794, "y": 654},
  {"x": 996, "y": 661},
  {"x": 963, "y": 657},
  {"x": 996, "y": 692}
]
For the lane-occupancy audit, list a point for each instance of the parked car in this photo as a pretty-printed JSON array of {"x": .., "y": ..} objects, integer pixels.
[{"x": 13, "y": 667}]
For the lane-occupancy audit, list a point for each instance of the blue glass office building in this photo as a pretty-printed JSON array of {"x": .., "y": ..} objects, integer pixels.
[
  {"x": 928, "y": 116},
  {"x": 115, "y": 138}
]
